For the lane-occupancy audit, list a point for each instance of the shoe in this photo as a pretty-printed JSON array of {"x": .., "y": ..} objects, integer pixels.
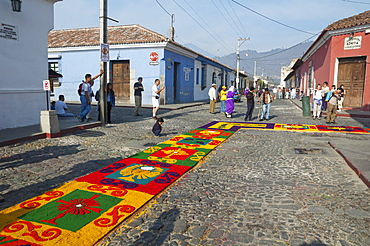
[
  {"x": 154, "y": 118},
  {"x": 138, "y": 115},
  {"x": 250, "y": 119},
  {"x": 261, "y": 119},
  {"x": 333, "y": 122},
  {"x": 313, "y": 117},
  {"x": 318, "y": 118},
  {"x": 245, "y": 119},
  {"x": 328, "y": 123},
  {"x": 267, "y": 119}
]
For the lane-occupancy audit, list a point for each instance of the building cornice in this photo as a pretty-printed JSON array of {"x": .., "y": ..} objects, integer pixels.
[{"x": 326, "y": 35}]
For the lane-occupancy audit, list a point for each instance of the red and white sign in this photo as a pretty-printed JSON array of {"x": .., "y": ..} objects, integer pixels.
[
  {"x": 153, "y": 56},
  {"x": 46, "y": 85}
]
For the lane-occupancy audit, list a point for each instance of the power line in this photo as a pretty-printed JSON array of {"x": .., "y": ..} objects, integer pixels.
[
  {"x": 203, "y": 20},
  {"x": 202, "y": 26},
  {"x": 163, "y": 8},
  {"x": 287, "y": 48},
  {"x": 270, "y": 18},
  {"x": 225, "y": 18},
  {"x": 354, "y": 2},
  {"x": 238, "y": 19},
  {"x": 230, "y": 17}
]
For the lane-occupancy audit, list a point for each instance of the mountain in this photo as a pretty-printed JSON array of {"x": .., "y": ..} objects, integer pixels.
[{"x": 267, "y": 63}]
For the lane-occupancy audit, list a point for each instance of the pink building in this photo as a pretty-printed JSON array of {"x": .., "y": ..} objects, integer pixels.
[{"x": 340, "y": 56}]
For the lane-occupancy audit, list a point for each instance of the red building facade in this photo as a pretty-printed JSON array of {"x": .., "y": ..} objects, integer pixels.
[{"x": 340, "y": 56}]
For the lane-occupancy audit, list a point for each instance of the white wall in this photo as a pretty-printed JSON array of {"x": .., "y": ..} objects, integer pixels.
[{"x": 23, "y": 63}]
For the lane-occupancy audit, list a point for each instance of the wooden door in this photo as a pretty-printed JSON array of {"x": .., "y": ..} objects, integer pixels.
[
  {"x": 351, "y": 74},
  {"x": 121, "y": 80}
]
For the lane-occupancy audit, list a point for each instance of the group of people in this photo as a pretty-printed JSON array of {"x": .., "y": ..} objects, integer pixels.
[
  {"x": 324, "y": 98},
  {"x": 226, "y": 97}
]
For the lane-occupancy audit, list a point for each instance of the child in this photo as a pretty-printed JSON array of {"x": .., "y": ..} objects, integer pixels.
[{"x": 157, "y": 128}]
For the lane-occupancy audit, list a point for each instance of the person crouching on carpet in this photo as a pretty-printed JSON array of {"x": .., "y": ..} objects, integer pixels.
[{"x": 157, "y": 128}]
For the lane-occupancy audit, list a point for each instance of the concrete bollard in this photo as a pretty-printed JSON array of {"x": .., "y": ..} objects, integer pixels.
[{"x": 49, "y": 123}]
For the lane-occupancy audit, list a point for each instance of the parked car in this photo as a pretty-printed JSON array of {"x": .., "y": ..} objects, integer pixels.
[{"x": 237, "y": 97}]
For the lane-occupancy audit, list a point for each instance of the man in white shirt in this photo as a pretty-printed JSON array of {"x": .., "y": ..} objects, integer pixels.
[
  {"x": 212, "y": 98},
  {"x": 61, "y": 106},
  {"x": 155, "y": 97}
]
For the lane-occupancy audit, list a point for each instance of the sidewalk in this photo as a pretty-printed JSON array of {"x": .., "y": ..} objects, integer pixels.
[
  {"x": 343, "y": 113},
  {"x": 70, "y": 124}
]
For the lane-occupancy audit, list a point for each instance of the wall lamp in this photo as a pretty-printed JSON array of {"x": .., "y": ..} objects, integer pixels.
[{"x": 16, "y": 5}]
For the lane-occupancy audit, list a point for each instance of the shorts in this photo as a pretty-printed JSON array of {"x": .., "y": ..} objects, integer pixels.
[{"x": 155, "y": 102}]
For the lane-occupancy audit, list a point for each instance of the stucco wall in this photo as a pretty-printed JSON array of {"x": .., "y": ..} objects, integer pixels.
[{"x": 23, "y": 63}]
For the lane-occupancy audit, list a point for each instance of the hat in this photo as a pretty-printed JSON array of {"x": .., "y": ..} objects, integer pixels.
[
  {"x": 224, "y": 87},
  {"x": 252, "y": 88},
  {"x": 213, "y": 84}
]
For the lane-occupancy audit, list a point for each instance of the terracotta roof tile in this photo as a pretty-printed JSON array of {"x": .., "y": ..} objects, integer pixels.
[
  {"x": 126, "y": 34},
  {"x": 356, "y": 20}
]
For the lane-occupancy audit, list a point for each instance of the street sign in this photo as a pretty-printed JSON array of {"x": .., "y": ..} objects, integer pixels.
[
  {"x": 104, "y": 52},
  {"x": 153, "y": 56},
  {"x": 46, "y": 84}
]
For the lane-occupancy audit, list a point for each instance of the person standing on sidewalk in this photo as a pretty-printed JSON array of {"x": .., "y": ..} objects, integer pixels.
[
  {"x": 250, "y": 104},
  {"x": 318, "y": 94},
  {"x": 341, "y": 99},
  {"x": 332, "y": 106},
  {"x": 222, "y": 97},
  {"x": 155, "y": 97},
  {"x": 325, "y": 89},
  {"x": 138, "y": 89},
  {"x": 85, "y": 96},
  {"x": 266, "y": 99},
  {"x": 212, "y": 98}
]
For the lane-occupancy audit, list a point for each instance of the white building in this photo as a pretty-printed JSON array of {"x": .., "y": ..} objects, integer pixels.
[{"x": 24, "y": 61}]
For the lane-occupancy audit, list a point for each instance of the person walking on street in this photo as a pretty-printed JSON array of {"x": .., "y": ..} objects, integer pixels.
[
  {"x": 61, "y": 107},
  {"x": 332, "y": 106},
  {"x": 222, "y": 97},
  {"x": 266, "y": 99},
  {"x": 230, "y": 102},
  {"x": 318, "y": 94},
  {"x": 250, "y": 104},
  {"x": 111, "y": 101},
  {"x": 212, "y": 98},
  {"x": 138, "y": 89},
  {"x": 155, "y": 97},
  {"x": 85, "y": 96}
]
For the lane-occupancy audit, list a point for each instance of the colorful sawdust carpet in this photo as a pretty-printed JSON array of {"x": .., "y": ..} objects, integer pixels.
[{"x": 83, "y": 211}]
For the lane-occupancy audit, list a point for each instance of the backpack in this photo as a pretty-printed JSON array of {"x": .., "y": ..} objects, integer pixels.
[{"x": 79, "y": 90}]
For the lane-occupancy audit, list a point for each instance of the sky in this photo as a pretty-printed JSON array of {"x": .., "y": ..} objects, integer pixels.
[{"x": 215, "y": 25}]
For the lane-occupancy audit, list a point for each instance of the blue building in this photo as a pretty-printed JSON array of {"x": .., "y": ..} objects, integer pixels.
[{"x": 134, "y": 52}]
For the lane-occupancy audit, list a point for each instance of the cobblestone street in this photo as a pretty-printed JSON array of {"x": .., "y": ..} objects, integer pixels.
[{"x": 254, "y": 189}]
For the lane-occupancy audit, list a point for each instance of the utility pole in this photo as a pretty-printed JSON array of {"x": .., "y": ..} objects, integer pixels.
[
  {"x": 238, "y": 61},
  {"x": 103, "y": 65},
  {"x": 172, "y": 29}
]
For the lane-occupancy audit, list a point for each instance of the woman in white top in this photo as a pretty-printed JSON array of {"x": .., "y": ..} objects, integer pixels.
[{"x": 318, "y": 93}]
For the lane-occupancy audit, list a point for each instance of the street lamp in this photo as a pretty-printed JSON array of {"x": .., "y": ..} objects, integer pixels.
[{"x": 16, "y": 5}]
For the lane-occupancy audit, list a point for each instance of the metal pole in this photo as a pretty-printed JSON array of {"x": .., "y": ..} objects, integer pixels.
[
  {"x": 237, "y": 65},
  {"x": 103, "y": 65}
]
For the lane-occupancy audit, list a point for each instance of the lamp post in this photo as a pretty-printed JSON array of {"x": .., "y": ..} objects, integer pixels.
[{"x": 16, "y": 5}]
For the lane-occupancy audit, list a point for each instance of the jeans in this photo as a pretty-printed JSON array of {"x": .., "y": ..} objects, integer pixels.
[
  {"x": 266, "y": 111},
  {"x": 85, "y": 108},
  {"x": 223, "y": 106},
  {"x": 157, "y": 132}
]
